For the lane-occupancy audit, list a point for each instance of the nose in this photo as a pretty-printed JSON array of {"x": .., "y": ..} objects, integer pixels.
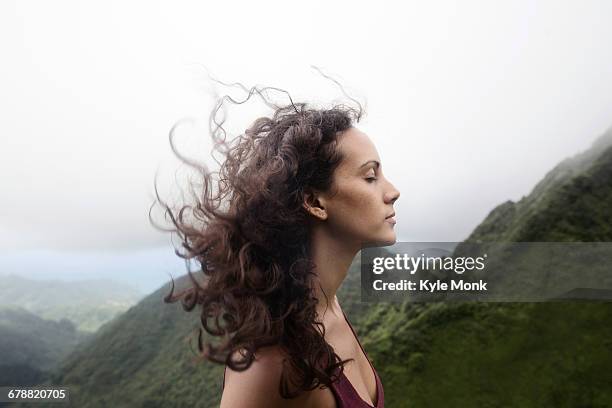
[{"x": 392, "y": 195}]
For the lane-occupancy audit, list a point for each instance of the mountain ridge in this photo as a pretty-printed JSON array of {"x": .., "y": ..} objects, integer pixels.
[{"x": 514, "y": 354}]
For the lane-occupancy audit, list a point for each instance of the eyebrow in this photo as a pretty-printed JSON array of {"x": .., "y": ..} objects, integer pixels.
[{"x": 370, "y": 161}]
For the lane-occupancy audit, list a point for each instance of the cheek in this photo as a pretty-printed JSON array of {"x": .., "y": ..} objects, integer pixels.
[{"x": 356, "y": 207}]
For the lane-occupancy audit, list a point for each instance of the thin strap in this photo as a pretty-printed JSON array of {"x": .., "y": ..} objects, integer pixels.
[
  {"x": 224, "y": 377},
  {"x": 358, "y": 342}
]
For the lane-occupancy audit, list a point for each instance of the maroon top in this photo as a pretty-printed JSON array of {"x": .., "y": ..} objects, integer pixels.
[{"x": 345, "y": 394}]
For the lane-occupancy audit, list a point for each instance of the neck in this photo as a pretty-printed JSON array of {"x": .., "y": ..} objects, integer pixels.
[{"x": 332, "y": 258}]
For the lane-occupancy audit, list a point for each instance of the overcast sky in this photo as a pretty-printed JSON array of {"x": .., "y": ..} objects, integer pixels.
[{"x": 469, "y": 103}]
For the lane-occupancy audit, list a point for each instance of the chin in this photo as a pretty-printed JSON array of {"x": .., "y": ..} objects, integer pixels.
[
  {"x": 390, "y": 239},
  {"x": 381, "y": 242},
  {"x": 389, "y": 242}
]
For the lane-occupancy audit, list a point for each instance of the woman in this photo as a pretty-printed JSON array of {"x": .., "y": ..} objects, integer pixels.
[{"x": 303, "y": 192}]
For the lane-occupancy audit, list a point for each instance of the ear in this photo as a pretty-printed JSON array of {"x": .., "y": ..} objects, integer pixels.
[{"x": 314, "y": 205}]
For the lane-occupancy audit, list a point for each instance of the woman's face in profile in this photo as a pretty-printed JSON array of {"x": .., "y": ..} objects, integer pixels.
[{"x": 361, "y": 199}]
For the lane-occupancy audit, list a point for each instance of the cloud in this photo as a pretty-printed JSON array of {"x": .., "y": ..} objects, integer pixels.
[{"x": 468, "y": 106}]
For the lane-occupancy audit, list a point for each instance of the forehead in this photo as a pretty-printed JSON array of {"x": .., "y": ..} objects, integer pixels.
[{"x": 356, "y": 148}]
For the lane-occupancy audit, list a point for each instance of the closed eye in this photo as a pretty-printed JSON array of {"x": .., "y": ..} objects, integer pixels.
[{"x": 371, "y": 179}]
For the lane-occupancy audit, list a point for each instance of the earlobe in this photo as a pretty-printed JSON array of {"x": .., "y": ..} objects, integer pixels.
[
  {"x": 319, "y": 213},
  {"x": 313, "y": 206},
  {"x": 315, "y": 211}
]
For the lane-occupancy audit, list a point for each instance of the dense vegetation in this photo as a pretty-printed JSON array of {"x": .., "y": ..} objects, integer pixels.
[{"x": 31, "y": 347}]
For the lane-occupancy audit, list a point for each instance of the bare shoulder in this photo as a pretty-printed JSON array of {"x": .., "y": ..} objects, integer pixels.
[{"x": 258, "y": 386}]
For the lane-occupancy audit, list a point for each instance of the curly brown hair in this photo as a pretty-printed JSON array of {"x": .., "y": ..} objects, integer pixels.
[{"x": 258, "y": 280}]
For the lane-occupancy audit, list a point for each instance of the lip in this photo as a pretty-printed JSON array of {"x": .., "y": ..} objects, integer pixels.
[{"x": 391, "y": 219}]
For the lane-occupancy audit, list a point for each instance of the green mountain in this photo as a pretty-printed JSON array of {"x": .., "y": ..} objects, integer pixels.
[
  {"x": 571, "y": 203},
  {"x": 31, "y": 347},
  {"x": 510, "y": 354},
  {"x": 88, "y": 304},
  {"x": 142, "y": 359},
  {"x": 428, "y": 354}
]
